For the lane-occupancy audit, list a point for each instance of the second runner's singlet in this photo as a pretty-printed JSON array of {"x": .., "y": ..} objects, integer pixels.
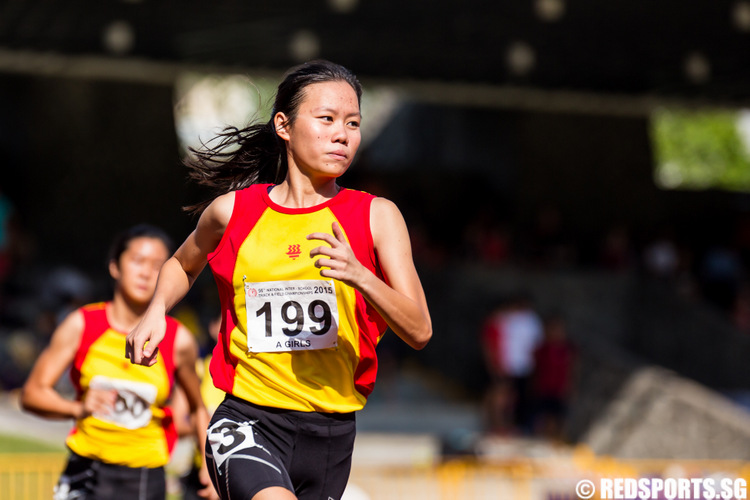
[{"x": 139, "y": 432}]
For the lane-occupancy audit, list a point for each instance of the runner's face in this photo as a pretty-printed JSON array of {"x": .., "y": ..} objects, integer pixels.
[
  {"x": 139, "y": 267},
  {"x": 325, "y": 135}
]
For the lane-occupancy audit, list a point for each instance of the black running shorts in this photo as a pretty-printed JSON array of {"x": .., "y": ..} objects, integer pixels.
[
  {"x": 87, "y": 479},
  {"x": 250, "y": 448}
]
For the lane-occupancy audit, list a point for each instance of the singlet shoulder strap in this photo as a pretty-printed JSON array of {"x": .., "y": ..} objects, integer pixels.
[{"x": 95, "y": 323}]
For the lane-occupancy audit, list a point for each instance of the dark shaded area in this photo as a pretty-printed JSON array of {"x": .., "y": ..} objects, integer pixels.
[
  {"x": 88, "y": 158},
  {"x": 611, "y": 47}
]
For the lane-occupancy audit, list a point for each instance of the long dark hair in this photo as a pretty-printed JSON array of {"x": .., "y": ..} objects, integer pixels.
[
  {"x": 123, "y": 239},
  {"x": 256, "y": 154}
]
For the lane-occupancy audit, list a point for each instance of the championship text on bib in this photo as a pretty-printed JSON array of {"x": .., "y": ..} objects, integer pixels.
[{"x": 296, "y": 315}]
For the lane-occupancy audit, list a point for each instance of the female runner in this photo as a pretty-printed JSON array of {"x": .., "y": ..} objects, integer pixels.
[
  {"x": 123, "y": 432},
  {"x": 309, "y": 275}
]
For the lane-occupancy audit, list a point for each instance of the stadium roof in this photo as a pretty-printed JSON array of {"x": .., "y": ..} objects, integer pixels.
[{"x": 666, "y": 48}]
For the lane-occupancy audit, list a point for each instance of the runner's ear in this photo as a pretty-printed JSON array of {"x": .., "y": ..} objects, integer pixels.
[
  {"x": 281, "y": 124},
  {"x": 114, "y": 270}
]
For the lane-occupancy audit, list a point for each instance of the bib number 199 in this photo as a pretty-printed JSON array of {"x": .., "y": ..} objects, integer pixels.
[
  {"x": 291, "y": 315},
  {"x": 294, "y": 317}
]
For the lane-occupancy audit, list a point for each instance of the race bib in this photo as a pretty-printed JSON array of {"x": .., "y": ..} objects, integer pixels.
[
  {"x": 132, "y": 408},
  {"x": 296, "y": 315}
]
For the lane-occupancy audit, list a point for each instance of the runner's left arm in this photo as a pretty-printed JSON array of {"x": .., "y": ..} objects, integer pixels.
[{"x": 401, "y": 301}]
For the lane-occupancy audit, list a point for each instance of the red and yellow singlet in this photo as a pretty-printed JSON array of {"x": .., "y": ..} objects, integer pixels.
[
  {"x": 289, "y": 337},
  {"x": 140, "y": 431}
]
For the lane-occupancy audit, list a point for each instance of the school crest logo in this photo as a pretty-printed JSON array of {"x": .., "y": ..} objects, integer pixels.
[{"x": 294, "y": 251}]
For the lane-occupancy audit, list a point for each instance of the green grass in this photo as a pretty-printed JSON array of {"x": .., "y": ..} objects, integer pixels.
[{"x": 14, "y": 444}]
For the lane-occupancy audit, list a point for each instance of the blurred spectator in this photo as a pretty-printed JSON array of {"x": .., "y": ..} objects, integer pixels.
[
  {"x": 486, "y": 239},
  {"x": 741, "y": 310},
  {"x": 67, "y": 289},
  {"x": 549, "y": 245},
  {"x": 15, "y": 246},
  {"x": 7, "y": 215},
  {"x": 616, "y": 253},
  {"x": 741, "y": 237},
  {"x": 499, "y": 400},
  {"x": 510, "y": 335},
  {"x": 18, "y": 351},
  {"x": 425, "y": 250},
  {"x": 31, "y": 313},
  {"x": 661, "y": 256},
  {"x": 720, "y": 275},
  {"x": 554, "y": 362}
]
